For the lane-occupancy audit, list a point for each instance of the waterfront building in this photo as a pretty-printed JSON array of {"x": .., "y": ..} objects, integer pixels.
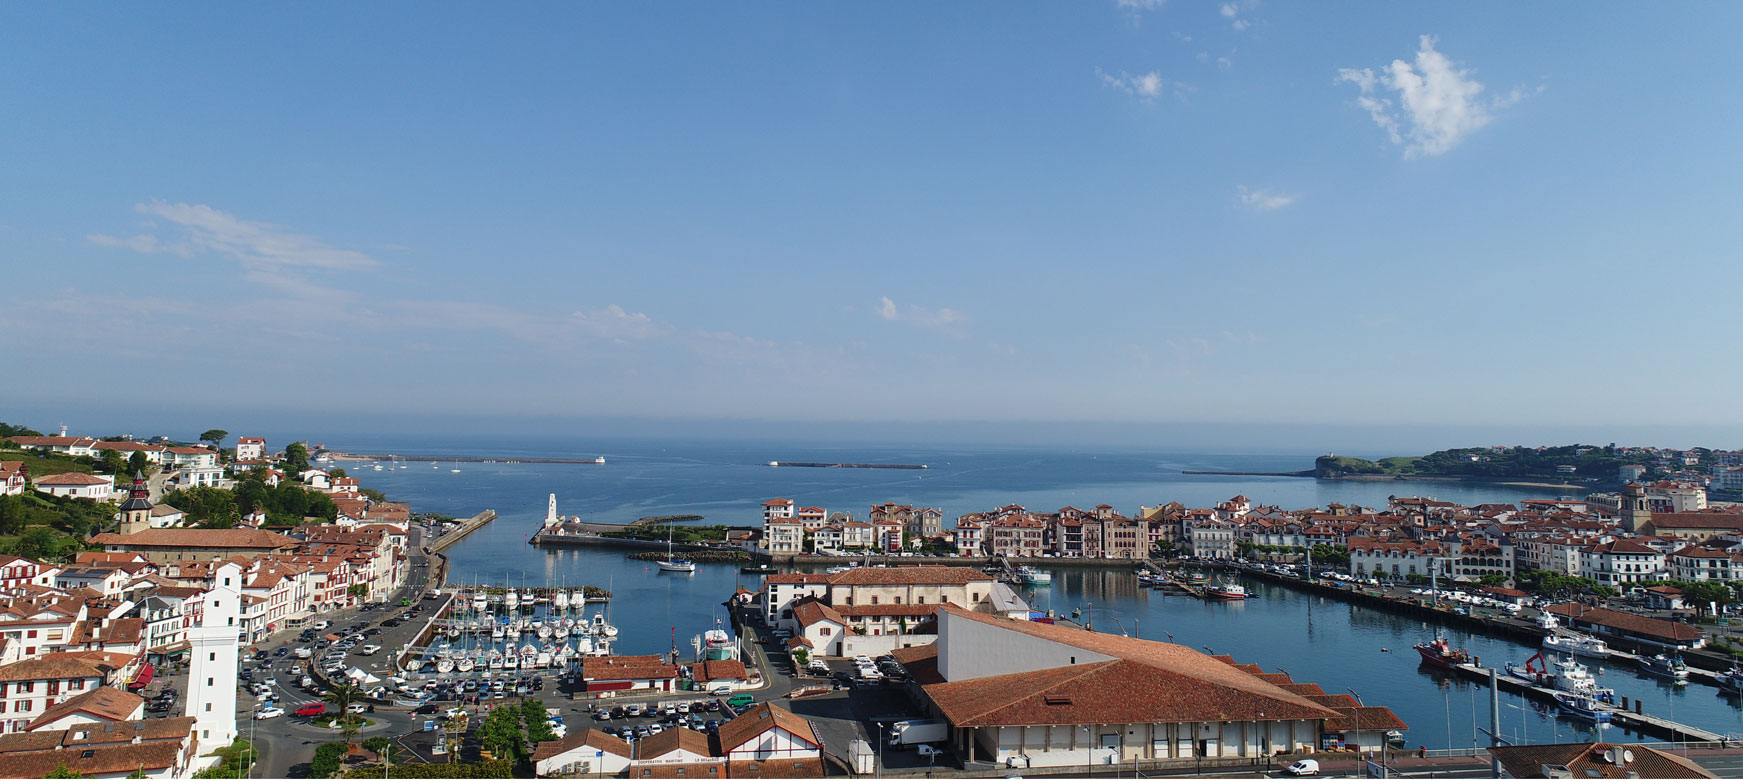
[
  {"x": 29, "y": 688},
  {"x": 77, "y": 485},
  {"x": 1473, "y": 557},
  {"x": 777, "y": 509},
  {"x": 1696, "y": 563},
  {"x": 784, "y": 537},
  {"x": 1668, "y": 496},
  {"x": 969, "y": 537},
  {"x": 1692, "y": 527},
  {"x": 622, "y": 673},
  {"x": 1639, "y": 630},
  {"x": 1396, "y": 560},
  {"x": 1027, "y": 694},
  {"x": 1017, "y": 534},
  {"x": 812, "y": 517},
  {"x": 1594, "y": 760},
  {"x": 1211, "y": 539},
  {"x": 676, "y": 753},
  {"x": 1619, "y": 563},
  {"x": 583, "y": 753},
  {"x": 780, "y": 591}
]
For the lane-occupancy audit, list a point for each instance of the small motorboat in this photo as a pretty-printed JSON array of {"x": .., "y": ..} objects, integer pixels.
[
  {"x": 465, "y": 664},
  {"x": 1578, "y": 645},
  {"x": 1582, "y": 707},
  {"x": 1732, "y": 681},
  {"x": 1662, "y": 666},
  {"x": 1226, "y": 591}
]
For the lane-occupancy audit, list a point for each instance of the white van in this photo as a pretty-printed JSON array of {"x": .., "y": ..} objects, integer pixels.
[
  {"x": 369, "y": 650},
  {"x": 1305, "y": 767}
]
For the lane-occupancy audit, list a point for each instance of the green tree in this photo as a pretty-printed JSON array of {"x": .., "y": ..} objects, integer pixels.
[
  {"x": 62, "y": 771},
  {"x": 296, "y": 457},
  {"x": 9, "y": 430},
  {"x": 1706, "y": 593},
  {"x": 1493, "y": 580},
  {"x": 538, "y": 730},
  {"x": 336, "y": 473},
  {"x": 140, "y": 773},
  {"x": 501, "y": 733},
  {"x": 138, "y": 463},
  {"x": 1166, "y": 548},
  {"x": 13, "y": 514},
  {"x": 343, "y": 695},
  {"x": 381, "y": 747},
  {"x": 39, "y": 542},
  {"x": 112, "y": 463},
  {"x": 328, "y": 759},
  {"x": 213, "y": 507},
  {"x": 215, "y": 436}
]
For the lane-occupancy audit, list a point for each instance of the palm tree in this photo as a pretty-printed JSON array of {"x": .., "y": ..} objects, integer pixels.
[{"x": 342, "y": 694}]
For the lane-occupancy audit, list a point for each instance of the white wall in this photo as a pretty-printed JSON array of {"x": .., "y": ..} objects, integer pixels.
[
  {"x": 878, "y": 645},
  {"x": 969, "y": 649}
]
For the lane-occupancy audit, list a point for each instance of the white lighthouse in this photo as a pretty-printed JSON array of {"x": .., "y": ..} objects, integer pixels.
[
  {"x": 213, "y": 653},
  {"x": 551, "y": 512}
]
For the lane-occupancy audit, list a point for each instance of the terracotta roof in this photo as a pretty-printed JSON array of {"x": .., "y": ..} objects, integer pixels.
[
  {"x": 1628, "y": 622},
  {"x": 103, "y": 760},
  {"x": 73, "y": 478},
  {"x": 1145, "y": 682},
  {"x": 798, "y": 641},
  {"x": 621, "y": 668},
  {"x": 718, "y": 670},
  {"x": 197, "y": 538},
  {"x": 46, "y": 668},
  {"x": 792, "y": 578},
  {"x": 921, "y": 662},
  {"x": 1586, "y": 760},
  {"x": 776, "y": 768},
  {"x": 673, "y": 740},
  {"x": 811, "y": 611},
  {"x": 104, "y": 702},
  {"x": 610, "y": 744},
  {"x": 897, "y": 576},
  {"x": 760, "y": 719}
]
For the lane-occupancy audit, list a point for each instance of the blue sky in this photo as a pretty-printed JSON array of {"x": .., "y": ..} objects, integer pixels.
[{"x": 1420, "y": 215}]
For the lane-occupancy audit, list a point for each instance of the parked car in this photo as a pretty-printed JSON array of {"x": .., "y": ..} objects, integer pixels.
[
  {"x": 356, "y": 707},
  {"x": 269, "y": 713}
]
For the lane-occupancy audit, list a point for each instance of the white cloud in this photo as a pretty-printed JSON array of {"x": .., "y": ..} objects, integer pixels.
[
  {"x": 1264, "y": 199},
  {"x": 1234, "y": 12},
  {"x": 1136, "y": 6},
  {"x": 1145, "y": 86},
  {"x": 918, "y": 316},
  {"x": 1438, "y": 103}
]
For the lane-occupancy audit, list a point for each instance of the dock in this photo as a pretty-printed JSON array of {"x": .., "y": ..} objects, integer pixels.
[
  {"x": 340, "y": 456},
  {"x": 1635, "y": 720},
  {"x": 823, "y": 465},
  {"x": 1169, "y": 579},
  {"x": 467, "y": 526}
]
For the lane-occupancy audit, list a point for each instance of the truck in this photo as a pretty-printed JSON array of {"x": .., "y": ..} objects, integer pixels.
[{"x": 916, "y": 731}]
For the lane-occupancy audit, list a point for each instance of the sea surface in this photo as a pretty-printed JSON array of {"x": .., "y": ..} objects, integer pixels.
[{"x": 1341, "y": 647}]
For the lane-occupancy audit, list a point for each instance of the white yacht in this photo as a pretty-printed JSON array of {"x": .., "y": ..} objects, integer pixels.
[
  {"x": 511, "y": 600},
  {"x": 464, "y": 665},
  {"x": 1578, "y": 645},
  {"x": 545, "y": 631},
  {"x": 561, "y": 600}
]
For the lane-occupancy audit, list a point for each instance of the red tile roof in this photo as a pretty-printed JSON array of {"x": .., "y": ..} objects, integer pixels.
[
  {"x": 901, "y": 576},
  {"x": 760, "y": 719},
  {"x": 1586, "y": 760},
  {"x": 610, "y": 744},
  {"x": 1628, "y": 622}
]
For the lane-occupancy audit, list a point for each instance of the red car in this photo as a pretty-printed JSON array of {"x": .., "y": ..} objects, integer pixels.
[{"x": 311, "y": 709}]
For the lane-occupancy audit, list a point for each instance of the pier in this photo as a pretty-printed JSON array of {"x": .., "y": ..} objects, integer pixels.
[
  {"x": 1635, "y": 720},
  {"x": 1168, "y": 578},
  {"x": 467, "y": 526},
  {"x": 822, "y": 465},
  {"x": 339, "y": 456}
]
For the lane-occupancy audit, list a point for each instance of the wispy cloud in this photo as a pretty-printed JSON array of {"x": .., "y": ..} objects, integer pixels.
[
  {"x": 1144, "y": 86},
  {"x": 1264, "y": 199},
  {"x": 922, "y": 317},
  {"x": 1139, "y": 6},
  {"x": 1438, "y": 103},
  {"x": 1234, "y": 12}
]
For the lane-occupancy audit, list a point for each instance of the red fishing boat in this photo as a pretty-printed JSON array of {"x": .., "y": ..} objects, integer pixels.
[{"x": 1440, "y": 654}]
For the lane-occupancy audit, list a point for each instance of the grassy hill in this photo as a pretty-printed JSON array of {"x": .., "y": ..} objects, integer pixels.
[{"x": 1484, "y": 463}]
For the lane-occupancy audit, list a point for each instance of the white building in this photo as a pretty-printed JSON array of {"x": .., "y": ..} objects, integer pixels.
[
  {"x": 213, "y": 653},
  {"x": 250, "y": 448},
  {"x": 1621, "y": 562},
  {"x": 584, "y": 752},
  {"x": 770, "y": 741},
  {"x": 75, "y": 484},
  {"x": 13, "y": 478},
  {"x": 1025, "y": 694}
]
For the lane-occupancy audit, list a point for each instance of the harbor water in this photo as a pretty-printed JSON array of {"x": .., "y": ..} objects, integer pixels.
[{"x": 1317, "y": 639}]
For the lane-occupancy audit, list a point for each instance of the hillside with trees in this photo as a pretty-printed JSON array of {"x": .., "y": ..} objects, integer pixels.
[{"x": 1482, "y": 463}]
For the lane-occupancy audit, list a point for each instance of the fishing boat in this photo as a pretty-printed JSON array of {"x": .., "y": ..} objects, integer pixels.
[
  {"x": 1029, "y": 576},
  {"x": 673, "y": 563},
  {"x": 1568, "y": 675},
  {"x": 1226, "y": 590},
  {"x": 1732, "y": 680},
  {"x": 1578, "y": 645},
  {"x": 760, "y": 569},
  {"x": 1582, "y": 707},
  {"x": 1198, "y": 580},
  {"x": 1441, "y": 654},
  {"x": 1662, "y": 666}
]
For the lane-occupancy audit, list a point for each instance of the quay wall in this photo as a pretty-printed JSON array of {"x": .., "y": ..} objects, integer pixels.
[{"x": 468, "y": 526}]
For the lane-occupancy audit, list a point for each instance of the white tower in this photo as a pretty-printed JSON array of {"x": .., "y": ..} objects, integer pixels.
[
  {"x": 551, "y": 512},
  {"x": 212, "y": 671}
]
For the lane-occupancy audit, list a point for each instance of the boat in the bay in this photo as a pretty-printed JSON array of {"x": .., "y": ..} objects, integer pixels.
[
  {"x": 601, "y": 629},
  {"x": 760, "y": 569},
  {"x": 1661, "y": 666},
  {"x": 1567, "y": 675},
  {"x": 1578, "y": 645},
  {"x": 1582, "y": 707},
  {"x": 1226, "y": 591},
  {"x": 1732, "y": 681},
  {"x": 1440, "y": 653},
  {"x": 1198, "y": 580},
  {"x": 673, "y": 563},
  {"x": 1029, "y": 576}
]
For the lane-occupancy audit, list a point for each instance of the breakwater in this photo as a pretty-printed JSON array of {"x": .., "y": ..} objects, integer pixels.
[
  {"x": 337, "y": 456},
  {"x": 467, "y": 526},
  {"x": 1302, "y": 473},
  {"x": 823, "y": 465}
]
